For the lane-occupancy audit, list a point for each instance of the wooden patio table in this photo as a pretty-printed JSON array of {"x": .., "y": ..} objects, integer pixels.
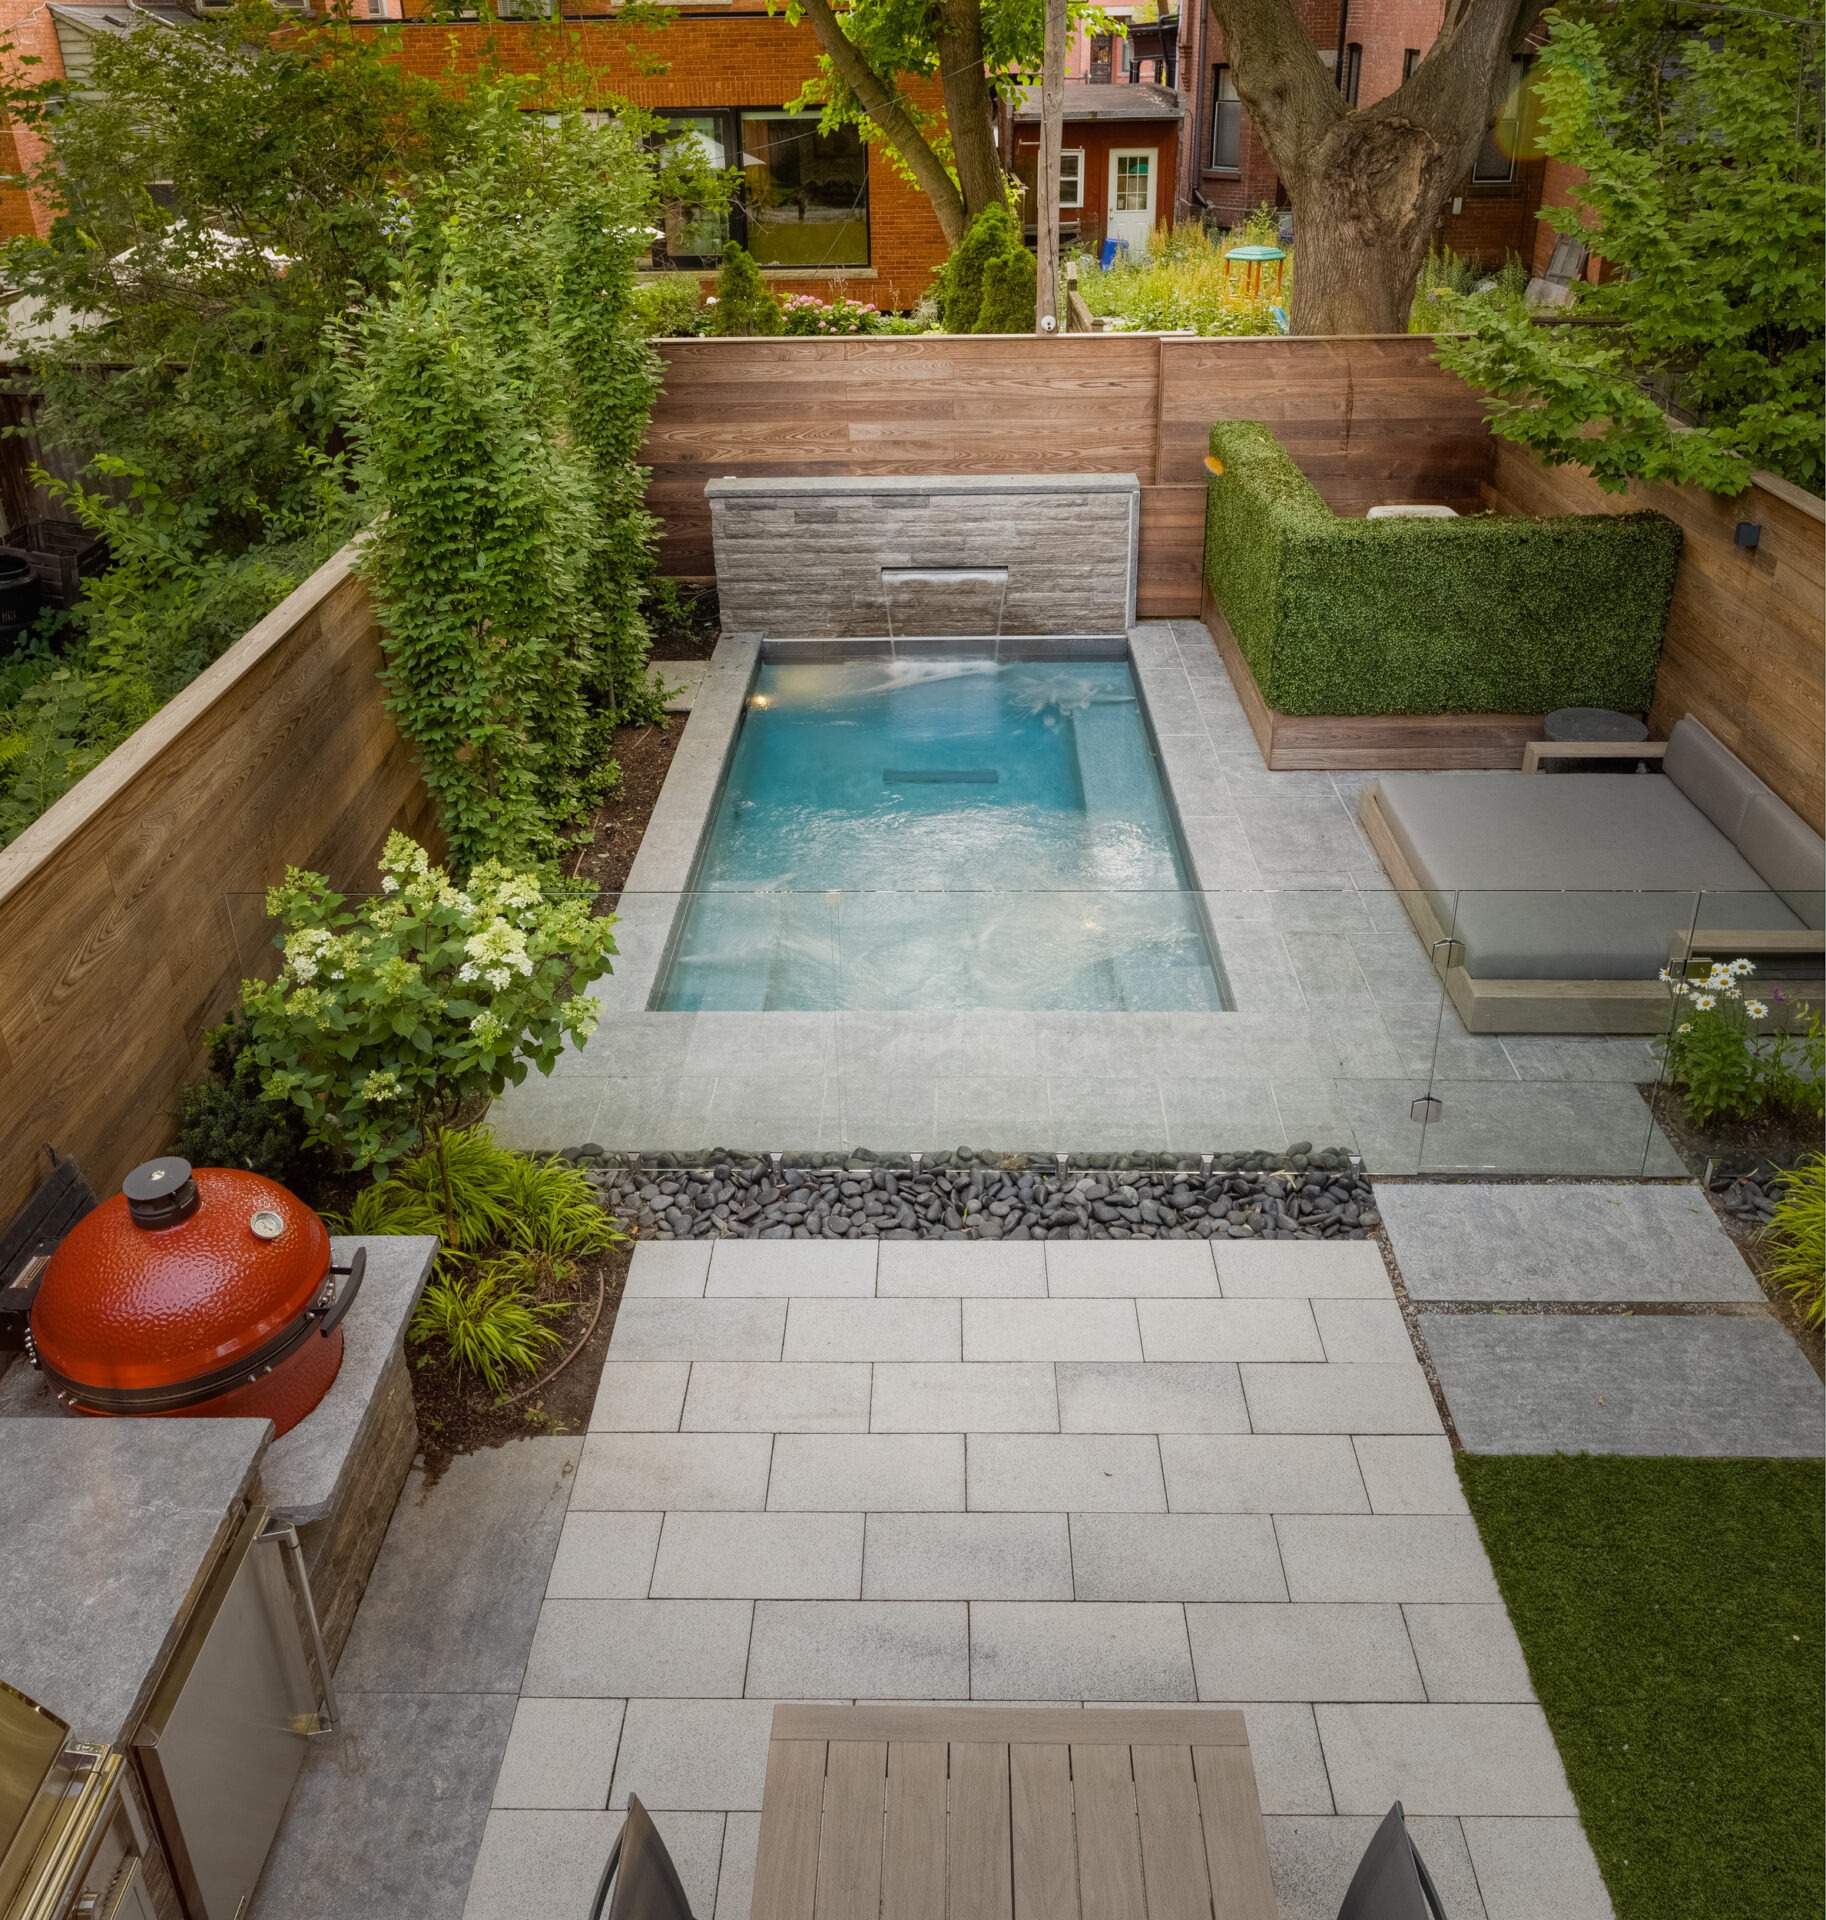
[{"x": 1010, "y": 1813}]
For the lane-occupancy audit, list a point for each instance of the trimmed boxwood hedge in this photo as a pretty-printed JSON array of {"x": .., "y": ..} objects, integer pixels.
[{"x": 1489, "y": 613}]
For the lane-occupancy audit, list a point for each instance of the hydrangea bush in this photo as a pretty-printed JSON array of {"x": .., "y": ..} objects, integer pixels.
[
  {"x": 390, "y": 1015},
  {"x": 1723, "y": 1066},
  {"x": 805, "y": 313}
]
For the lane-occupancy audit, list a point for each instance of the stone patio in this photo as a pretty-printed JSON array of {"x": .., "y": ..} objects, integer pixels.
[
  {"x": 1337, "y": 1023},
  {"x": 1597, "y": 1318},
  {"x": 1068, "y": 1472}
]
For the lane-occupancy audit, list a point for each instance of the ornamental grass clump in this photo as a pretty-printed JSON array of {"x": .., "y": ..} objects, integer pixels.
[
  {"x": 1795, "y": 1240},
  {"x": 1725, "y": 1069},
  {"x": 391, "y": 1015},
  {"x": 511, "y": 1229}
]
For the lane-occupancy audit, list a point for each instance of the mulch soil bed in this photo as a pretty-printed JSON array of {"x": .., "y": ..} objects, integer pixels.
[
  {"x": 458, "y": 1413},
  {"x": 1733, "y": 1162},
  {"x": 644, "y": 753}
]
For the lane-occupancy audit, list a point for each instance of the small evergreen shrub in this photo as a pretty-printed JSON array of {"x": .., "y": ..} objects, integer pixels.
[
  {"x": 1489, "y": 613},
  {"x": 964, "y": 281},
  {"x": 225, "y": 1120},
  {"x": 1010, "y": 283},
  {"x": 743, "y": 302}
]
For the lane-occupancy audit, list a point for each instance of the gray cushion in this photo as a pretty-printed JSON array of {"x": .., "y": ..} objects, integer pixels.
[
  {"x": 1787, "y": 853},
  {"x": 1711, "y": 776},
  {"x": 1577, "y": 876}
]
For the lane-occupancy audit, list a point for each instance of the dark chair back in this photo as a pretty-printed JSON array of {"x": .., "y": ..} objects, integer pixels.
[
  {"x": 1391, "y": 1881},
  {"x": 640, "y": 1870}
]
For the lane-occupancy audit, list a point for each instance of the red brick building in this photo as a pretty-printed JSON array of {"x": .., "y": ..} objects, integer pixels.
[
  {"x": 1370, "y": 46},
  {"x": 1154, "y": 129},
  {"x": 1118, "y": 161}
]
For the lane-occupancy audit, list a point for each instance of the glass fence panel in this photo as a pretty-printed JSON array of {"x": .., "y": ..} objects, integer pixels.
[
  {"x": 1552, "y": 1039},
  {"x": 1426, "y": 1032}
]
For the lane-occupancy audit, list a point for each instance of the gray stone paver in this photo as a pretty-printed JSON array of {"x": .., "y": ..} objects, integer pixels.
[
  {"x": 641, "y": 1396},
  {"x": 1409, "y": 1473},
  {"x": 970, "y": 1396},
  {"x": 747, "y": 1396},
  {"x": 759, "y": 1556},
  {"x": 1176, "y": 1556},
  {"x": 1234, "y": 1490},
  {"x": 1118, "y": 1396},
  {"x": 1717, "y": 1386},
  {"x": 1229, "y": 1330},
  {"x": 967, "y": 1556},
  {"x": 1562, "y": 1241}
]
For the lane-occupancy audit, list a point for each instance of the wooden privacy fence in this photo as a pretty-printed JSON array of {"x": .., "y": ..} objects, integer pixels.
[
  {"x": 1368, "y": 418},
  {"x": 130, "y": 911}
]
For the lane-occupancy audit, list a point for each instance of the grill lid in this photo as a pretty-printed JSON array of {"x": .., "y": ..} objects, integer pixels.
[{"x": 180, "y": 1276}]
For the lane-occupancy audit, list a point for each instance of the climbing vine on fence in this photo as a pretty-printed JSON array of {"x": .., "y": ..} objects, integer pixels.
[{"x": 498, "y": 398}]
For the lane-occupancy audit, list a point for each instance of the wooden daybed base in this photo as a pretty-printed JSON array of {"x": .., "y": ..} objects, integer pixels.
[{"x": 1570, "y": 1006}]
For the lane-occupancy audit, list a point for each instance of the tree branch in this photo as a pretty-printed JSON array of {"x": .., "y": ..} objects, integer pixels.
[{"x": 895, "y": 123}]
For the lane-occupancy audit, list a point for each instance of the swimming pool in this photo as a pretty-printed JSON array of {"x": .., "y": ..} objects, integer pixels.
[{"x": 956, "y": 833}]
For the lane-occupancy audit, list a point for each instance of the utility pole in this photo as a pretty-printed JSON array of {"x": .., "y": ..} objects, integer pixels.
[{"x": 1052, "y": 137}]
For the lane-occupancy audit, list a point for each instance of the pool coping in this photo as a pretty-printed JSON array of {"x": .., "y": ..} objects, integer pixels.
[{"x": 678, "y": 831}]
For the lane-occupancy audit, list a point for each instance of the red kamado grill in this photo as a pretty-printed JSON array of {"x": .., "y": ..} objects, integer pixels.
[{"x": 205, "y": 1292}]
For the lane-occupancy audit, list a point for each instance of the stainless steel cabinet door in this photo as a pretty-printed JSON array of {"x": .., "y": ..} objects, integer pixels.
[{"x": 228, "y": 1729}]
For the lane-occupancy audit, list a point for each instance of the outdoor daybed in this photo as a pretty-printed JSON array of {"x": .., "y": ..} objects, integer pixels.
[{"x": 1551, "y": 901}]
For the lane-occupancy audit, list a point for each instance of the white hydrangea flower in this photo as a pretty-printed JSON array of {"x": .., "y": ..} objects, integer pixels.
[
  {"x": 379, "y": 1087},
  {"x": 467, "y": 971},
  {"x": 487, "y": 1027},
  {"x": 388, "y": 884}
]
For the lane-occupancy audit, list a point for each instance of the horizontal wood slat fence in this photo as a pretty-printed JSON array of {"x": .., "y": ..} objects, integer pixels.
[
  {"x": 130, "y": 911},
  {"x": 1368, "y": 418}
]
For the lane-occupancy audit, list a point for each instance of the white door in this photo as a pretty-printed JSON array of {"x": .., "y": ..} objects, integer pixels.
[{"x": 1131, "y": 218}]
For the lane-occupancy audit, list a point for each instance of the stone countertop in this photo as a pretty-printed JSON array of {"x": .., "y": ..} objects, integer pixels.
[
  {"x": 110, "y": 1528},
  {"x": 304, "y": 1468}
]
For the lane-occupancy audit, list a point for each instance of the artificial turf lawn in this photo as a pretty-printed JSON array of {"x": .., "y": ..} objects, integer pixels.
[{"x": 1671, "y": 1612}]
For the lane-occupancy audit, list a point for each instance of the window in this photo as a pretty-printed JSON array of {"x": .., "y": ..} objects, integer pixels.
[
  {"x": 1351, "y": 73},
  {"x": 694, "y": 237},
  {"x": 1132, "y": 183},
  {"x": 1226, "y": 122},
  {"x": 1495, "y": 162},
  {"x": 1410, "y": 59},
  {"x": 1071, "y": 177},
  {"x": 804, "y": 197},
  {"x": 805, "y": 194}
]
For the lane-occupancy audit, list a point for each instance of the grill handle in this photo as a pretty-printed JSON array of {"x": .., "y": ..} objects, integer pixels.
[{"x": 353, "y": 1275}]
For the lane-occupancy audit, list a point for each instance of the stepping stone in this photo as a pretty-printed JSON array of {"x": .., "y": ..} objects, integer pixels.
[
  {"x": 686, "y": 677},
  {"x": 1587, "y": 1383},
  {"x": 1562, "y": 1241}
]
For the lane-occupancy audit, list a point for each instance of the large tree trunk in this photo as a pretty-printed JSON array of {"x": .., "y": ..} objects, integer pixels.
[
  {"x": 896, "y": 124},
  {"x": 1364, "y": 207},
  {"x": 1367, "y": 186},
  {"x": 969, "y": 106}
]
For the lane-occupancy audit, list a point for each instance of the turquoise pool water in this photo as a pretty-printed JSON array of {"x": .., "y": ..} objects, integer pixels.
[{"x": 942, "y": 834}]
